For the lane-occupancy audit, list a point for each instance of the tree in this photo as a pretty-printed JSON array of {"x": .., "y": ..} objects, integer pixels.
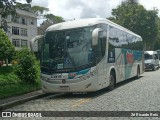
[
  {"x": 43, "y": 27},
  {"x": 39, "y": 11},
  {"x": 26, "y": 69},
  {"x": 136, "y": 18},
  {"x": 7, "y": 7},
  {"x": 26, "y": 7},
  {"x": 157, "y": 44},
  {"x": 50, "y": 20},
  {"x": 53, "y": 19},
  {"x": 6, "y": 48}
]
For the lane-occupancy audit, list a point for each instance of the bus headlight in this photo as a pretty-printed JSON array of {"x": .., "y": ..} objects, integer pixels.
[{"x": 45, "y": 78}]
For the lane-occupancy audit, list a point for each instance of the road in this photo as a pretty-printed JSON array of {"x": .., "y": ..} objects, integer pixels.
[{"x": 131, "y": 95}]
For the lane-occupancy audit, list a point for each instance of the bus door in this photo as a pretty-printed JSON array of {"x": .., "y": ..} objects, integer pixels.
[{"x": 100, "y": 58}]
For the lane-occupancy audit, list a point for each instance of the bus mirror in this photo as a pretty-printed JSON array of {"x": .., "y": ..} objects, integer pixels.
[
  {"x": 35, "y": 43},
  {"x": 95, "y": 36}
]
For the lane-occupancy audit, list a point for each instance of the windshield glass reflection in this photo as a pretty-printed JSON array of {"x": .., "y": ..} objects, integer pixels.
[{"x": 68, "y": 48}]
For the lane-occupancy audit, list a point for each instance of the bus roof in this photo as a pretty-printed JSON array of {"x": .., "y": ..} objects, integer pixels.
[{"x": 85, "y": 22}]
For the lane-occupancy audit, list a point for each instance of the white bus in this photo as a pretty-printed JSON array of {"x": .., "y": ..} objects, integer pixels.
[{"x": 88, "y": 55}]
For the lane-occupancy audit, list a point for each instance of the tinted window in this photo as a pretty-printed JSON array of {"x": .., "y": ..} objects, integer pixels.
[
  {"x": 147, "y": 56},
  {"x": 66, "y": 49},
  {"x": 121, "y": 39},
  {"x": 101, "y": 47}
]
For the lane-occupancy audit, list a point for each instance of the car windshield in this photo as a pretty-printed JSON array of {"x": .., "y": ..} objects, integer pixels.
[
  {"x": 68, "y": 48},
  {"x": 147, "y": 56}
]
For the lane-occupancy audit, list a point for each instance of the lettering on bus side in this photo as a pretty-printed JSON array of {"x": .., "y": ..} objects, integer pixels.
[{"x": 111, "y": 56}]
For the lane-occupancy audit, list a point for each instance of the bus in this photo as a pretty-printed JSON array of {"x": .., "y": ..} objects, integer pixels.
[{"x": 87, "y": 55}]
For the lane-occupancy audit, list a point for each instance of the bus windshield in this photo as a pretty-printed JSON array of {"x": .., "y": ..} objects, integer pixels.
[{"x": 66, "y": 49}]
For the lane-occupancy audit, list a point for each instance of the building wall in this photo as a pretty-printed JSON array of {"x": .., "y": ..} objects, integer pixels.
[{"x": 22, "y": 29}]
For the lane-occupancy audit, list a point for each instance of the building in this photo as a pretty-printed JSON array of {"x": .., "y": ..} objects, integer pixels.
[{"x": 22, "y": 29}]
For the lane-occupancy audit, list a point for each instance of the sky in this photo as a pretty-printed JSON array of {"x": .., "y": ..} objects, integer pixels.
[{"x": 76, "y": 9}]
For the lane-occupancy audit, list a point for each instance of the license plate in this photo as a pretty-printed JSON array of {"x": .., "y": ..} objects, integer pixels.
[{"x": 64, "y": 88}]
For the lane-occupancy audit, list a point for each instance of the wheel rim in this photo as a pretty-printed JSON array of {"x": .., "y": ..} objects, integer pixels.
[{"x": 111, "y": 81}]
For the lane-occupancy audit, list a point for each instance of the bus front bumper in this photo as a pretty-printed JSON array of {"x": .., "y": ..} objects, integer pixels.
[{"x": 82, "y": 86}]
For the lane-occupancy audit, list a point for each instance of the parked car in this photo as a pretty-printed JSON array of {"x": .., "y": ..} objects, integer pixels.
[
  {"x": 158, "y": 52},
  {"x": 151, "y": 60}
]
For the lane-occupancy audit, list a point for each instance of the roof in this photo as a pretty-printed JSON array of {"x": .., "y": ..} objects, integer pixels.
[
  {"x": 150, "y": 52},
  {"x": 26, "y": 13},
  {"x": 74, "y": 24},
  {"x": 83, "y": 23}
]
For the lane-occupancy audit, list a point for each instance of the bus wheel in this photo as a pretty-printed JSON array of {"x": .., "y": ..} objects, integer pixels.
[{"x": 111, "y": 81}]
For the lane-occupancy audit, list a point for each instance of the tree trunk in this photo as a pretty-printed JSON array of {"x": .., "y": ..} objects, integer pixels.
[{"x": 6, "y": 62}]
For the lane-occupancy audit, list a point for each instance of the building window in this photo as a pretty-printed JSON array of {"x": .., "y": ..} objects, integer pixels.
[
  {"x": 24, "y": 21},
  {"x": 16, "y": 42},
  {"x": 24, "y": 43},
  {"x": 9, "y": 29},
  {"x": 23, "y": 32},
  {"x": 32, "y": 21},
  {"x": 15, "y": 30}
]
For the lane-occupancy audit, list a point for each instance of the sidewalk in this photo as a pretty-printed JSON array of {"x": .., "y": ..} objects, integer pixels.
[{"x": 12, "y": 101}]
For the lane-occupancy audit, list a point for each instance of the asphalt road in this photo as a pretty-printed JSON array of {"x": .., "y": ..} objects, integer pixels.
[{"x": 131, "y": 95}]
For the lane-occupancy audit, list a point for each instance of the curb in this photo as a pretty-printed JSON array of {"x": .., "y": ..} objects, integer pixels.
[{"x": 20, "y": 101}]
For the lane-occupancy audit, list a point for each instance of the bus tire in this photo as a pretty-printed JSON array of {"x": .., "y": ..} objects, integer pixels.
[
  {"x": 138, "y": 73},
  {"x": 154, "y": 68},
  {"x": 111, "y": 81}
]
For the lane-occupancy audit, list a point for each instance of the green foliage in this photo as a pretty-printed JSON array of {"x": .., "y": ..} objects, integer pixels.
[
  {"x": 136, "y": 18},
  {"x": 51, "y": 19},
  {"x": 26, "y": 7},
  {"x": 27, "y": 69},
  {"x": 9, "y": 90},
  {"x": 157, "y": 44},
  {"x": 54, "y": 19},
  {"x": 7, "y": 50},
  {"x": 11, "y": 85},
  {"x": 7, "y": 75},
  {"x": 28, "y": 1},
  {"x": 39, "y": 11},
  {"x": 7, "y": 7}
]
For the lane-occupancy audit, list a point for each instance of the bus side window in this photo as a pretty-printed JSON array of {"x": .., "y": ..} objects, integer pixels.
[{"x": 101, "y": 47}]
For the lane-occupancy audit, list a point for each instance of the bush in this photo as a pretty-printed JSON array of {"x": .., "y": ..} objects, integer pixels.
[
  {"x": 26, "y": 68},
  {"x": 7, "y": 50}
]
